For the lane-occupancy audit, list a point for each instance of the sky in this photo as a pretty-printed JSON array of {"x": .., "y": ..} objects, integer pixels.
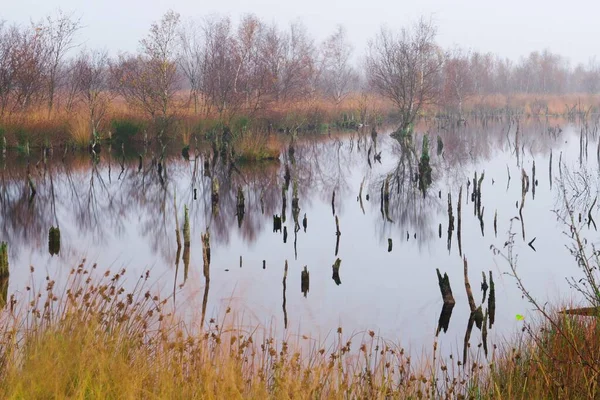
[{"x": 510, "y": 28}]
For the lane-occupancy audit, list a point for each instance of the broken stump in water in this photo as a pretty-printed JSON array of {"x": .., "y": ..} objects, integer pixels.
[
  {"x": 4, "y": 271},
  {"x": 304, "y": 281},
  {"x": 241, "y": 207},
  {"x": 54, "y": 241},
  {"x": 445, "y": 288},
  {"x": 206, "y": 253},
  {"x": 336, "y": 272},
  {"x": 492, "y": 302},
  {"x": 444, "y": 320},
  {"x": 276, "y": 223},
  {"x": 186, "y": 226},
  {"x": 215, "y": 194}
]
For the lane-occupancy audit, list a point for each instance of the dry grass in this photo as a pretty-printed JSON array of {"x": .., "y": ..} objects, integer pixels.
[
  {"x": 535, "y": 104},
  {"x": 99, "y": 340},
  {"x": 80, "y": 130},
  {"x": 552, "y": 362},
  {"x": 255, "y": 146}
]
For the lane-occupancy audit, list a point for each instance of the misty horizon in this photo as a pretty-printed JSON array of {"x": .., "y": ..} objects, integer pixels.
[{"x": 507, "y": 30}]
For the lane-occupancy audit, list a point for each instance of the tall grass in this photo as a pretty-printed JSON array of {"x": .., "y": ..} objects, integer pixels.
[
  {"x": 558, "y": 360},
  {"x": 559, "y": 354},
  {"x": 255, "y": 146},
  {"x": 99, "y": 339}
]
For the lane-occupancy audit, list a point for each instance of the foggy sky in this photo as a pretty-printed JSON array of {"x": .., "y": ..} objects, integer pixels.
[{"x": 509, "y": 28}]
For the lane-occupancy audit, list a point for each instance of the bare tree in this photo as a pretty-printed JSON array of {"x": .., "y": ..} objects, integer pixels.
[
  {"x": 91, "y": 75},
  {"x": 405, "y": 67},
  {"x": 191, "y": 58},
  {"x": 27, "y": 66},
  {"x": 149, "y": 81},
  {"x": 290, "y": 59},
  {"x": 59, "y": 31},
  {"x": 458, "y": 82},
  {"x": 6, "y": 67},
  {"x": 337, "y": 75},
  {"x": 220, "y": 67}
]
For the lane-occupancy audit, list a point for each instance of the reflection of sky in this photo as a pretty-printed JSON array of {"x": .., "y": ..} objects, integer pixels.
[{"x": 395, "y": 294}]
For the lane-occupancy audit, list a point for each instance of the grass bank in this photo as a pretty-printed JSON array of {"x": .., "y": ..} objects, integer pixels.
[{"x": 97, "y": 339}]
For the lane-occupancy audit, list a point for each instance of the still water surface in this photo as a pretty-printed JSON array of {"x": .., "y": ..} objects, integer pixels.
[{"x": 115, "y": 215}]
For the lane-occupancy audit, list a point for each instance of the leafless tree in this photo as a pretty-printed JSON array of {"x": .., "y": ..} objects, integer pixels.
[
  {"x": 290, "y": 61},
  {"x": 91, "y": 75},
  {"x": 149, "y": 81},
  {"x": 192, "y": 58},
  {"x": 458, "y": 82},
  {"x": 26, "y": 64},
  {"x": 405, "y": 67},
  {"x": 59, "y": 31},
  {"x": 338, "y": 74},
  {"x": 219, "y": 73}
]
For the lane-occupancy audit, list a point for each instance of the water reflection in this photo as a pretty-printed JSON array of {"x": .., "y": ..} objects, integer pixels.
[{"x": 129, "y": 205}]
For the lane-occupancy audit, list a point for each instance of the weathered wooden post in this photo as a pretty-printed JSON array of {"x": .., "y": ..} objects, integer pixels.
[
  {"x": 492, "y": 302},
  {"x": 336, "y": 272},
  {"x": 445, "y": 289},
  {"x": 276, "y": 223},
  {"x": 241, "y": 207},
  {"x": 186, "y": 226},
  {"x": 4, "y": 273},
  {"x": 53, "y": 241},
  {"x": 304, "y": 281},
  {"x": 215, "y": 195},
  {"x": 206, "y": 253}
]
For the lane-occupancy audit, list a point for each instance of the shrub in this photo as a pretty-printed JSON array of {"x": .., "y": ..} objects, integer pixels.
[{"x": 125, "y": 130}]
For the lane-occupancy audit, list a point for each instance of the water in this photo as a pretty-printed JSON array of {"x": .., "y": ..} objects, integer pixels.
[{"x": 118, "y": 216}]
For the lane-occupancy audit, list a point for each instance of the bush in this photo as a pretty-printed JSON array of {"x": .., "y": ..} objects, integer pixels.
[{"x": 124, "y": 130}]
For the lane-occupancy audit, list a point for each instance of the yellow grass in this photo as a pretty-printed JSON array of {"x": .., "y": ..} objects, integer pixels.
[
  {"x": 80, "y": 129},
  {"x": 99, "y": 340},
  {"x": 255, "y": 146}
]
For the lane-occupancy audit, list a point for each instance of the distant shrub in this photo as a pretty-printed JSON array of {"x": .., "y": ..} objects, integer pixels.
[{"x": 124, "y": 130}]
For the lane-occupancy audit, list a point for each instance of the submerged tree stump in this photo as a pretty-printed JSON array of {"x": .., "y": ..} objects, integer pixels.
[
  {"x": 4, "y": 273},
  {"x": 492, "y": 302},
  {"x": 186, "y": 226},
  {"x": 445, "y": 289},
  {"x": 215, "y": 195},
  {"x": 276, "y": 223},
  {"x": 206, "y": 253},
  {"x": 336, "y": 272},
  {"x": 304, "y": 281},
  {"x": 54, "y": 241},
  {"x": 4, "y": 270},
  {"x": 241, "y": 207}
]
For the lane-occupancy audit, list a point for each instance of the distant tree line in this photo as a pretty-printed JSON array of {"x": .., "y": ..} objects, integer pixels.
[{"x": 215, "y": 66}]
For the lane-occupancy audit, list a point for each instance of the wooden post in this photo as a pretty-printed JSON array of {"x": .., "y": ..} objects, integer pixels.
[
  {"x": 492, "y": 302},
  {"x": 304, "y": 281},
  {"x": 186, "y": 226},
  {"x": 336, "y": 272},
  {"x": 445, "y": 289},
  {"x": 285, "y": 317},
  {"x": 206, "y": 253}
]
